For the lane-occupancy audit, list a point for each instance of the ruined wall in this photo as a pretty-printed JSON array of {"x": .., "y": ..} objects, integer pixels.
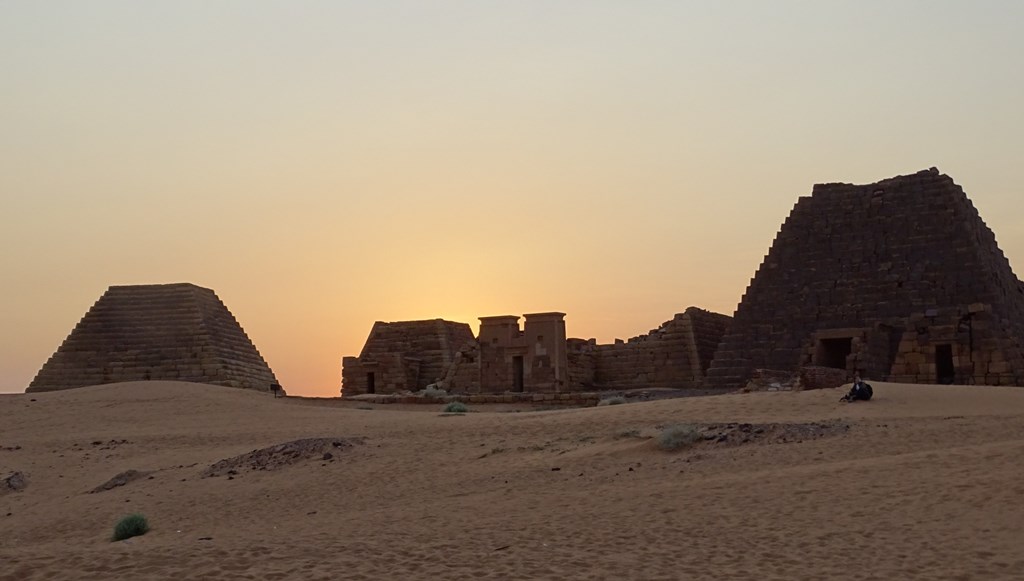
[
  {"x": 707, "y": 329},
  {"x": 582, "y": 361},
  {"x": 178, "y": 332},
  {"x": 676, "y": 354},
  {"x": 878, "y": 277},
  {"x": 404, "y": 356},
  {"x": 463, "y": 375},
  {"x": 978, "y": 350}
]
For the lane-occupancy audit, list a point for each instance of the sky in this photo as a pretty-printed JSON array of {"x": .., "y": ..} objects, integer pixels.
[{"x": 324, "y": 165}]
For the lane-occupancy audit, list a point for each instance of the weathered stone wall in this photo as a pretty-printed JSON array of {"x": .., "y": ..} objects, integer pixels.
[
  {"x": 707, "y": 329},
  {"x": 582, "y": 361},
  {"x": 463, "y": 375},
  {"x": 979, "y": 349},
  {"x": 878, "y": 278},
  {"x": 178, "y": 332},
  {"x": 676, "y": 354},
  {"x": 404, "y": 356}
]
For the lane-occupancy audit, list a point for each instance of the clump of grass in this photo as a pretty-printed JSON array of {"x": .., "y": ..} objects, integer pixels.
[
  {"x": 612, "y": 400},
  {"x": 678, "y": 436},
  {"x": 456, "y": 407},
  {"x": 634, "y": 433},
  {"x": 130, "y": 526},
  {"x": 431, "y": 391}
]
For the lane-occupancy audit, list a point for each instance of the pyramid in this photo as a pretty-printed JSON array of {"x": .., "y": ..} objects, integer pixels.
[
  {"x": 178, "y": 332},
  {"x": 900, "y": 280},
  {"x": 404, "y": 355}
]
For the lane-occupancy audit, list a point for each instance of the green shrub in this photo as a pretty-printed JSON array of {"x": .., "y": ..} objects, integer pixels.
[
  {"x": 456, "y": 407},
  {"x": 612, "y": 400},
  {"x": 130, "y": 526},
  {"x": 678, "y": 436},
  {"x": 431, "y": 391}
]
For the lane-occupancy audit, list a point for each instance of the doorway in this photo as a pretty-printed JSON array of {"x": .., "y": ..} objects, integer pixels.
[
  {"x": 833, "y": 352},
  {"x": 517, "y": 373},
  {"x": 945, "y": 371},
  {"x": 371, "y": 383}
]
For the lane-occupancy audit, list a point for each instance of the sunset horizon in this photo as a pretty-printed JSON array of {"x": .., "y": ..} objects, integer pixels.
[{"x": 322, "y": 166}]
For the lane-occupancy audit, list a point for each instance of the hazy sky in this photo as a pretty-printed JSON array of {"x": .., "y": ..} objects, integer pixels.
[{"x": 322, "y": 165}]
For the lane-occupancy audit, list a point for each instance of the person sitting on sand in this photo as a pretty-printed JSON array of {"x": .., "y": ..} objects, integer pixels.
[{"x": 860, "y": 391}]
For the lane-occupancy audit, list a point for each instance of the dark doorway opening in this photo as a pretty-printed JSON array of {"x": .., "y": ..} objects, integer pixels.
[
  {"x": 833, "y": 352},
  {"x": 945, "y": 371},
  {"x": 517, "y": 373},
  {"x": 371, "y": 383}
]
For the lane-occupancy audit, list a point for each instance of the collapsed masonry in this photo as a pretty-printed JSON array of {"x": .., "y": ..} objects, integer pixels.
[
  {"x": 677, "y": 354},
  {"x": 178, "y": 332},
  {"x": 901, "y": 280},
  {"x": 404, "y": 356},
  {"x": 538, "y": 358}
]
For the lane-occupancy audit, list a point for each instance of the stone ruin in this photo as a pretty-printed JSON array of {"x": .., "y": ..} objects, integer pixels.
[
  {"x": 901, "y": 280},
  {"x": 178, "y": 332},
  {"x": 404, "y": 356},
  {"x": 534, "y": 358},
  {"x": 677, "y": 355}
]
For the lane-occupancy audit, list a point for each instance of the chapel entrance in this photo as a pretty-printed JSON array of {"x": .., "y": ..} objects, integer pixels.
[
  {"x": 517, "y": 373},
  {"x": 945, "y": 371},
  {"x": 833, "y": 352}
]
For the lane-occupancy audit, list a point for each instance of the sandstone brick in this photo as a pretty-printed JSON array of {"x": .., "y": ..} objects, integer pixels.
[
  {"x": 899, "y": 265},
  {"x": 152, "y": 332}
]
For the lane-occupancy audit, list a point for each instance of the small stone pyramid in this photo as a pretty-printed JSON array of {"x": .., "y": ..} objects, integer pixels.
[{"x": 177, "y": 332}]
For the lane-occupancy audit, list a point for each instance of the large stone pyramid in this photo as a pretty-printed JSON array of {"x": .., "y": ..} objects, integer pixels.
[
  {"x": 178, "y": 332},
  {"x": 901, "y": 280}
]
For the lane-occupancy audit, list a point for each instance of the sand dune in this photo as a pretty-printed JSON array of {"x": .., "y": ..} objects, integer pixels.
[{"x": 922, "y": 483}]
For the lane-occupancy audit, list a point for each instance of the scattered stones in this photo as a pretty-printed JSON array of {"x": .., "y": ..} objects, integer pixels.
[
  {"x": 281, "y": 455},
  {"x": 742, "y": 433},
  {"x": 108, "y": 445},
  {"x": 119, "y": 480},
  {"x": 13, "y": 482}
]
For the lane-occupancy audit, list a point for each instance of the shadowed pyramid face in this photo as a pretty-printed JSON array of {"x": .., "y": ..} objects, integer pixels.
[
  {"x": 178, "y": 332},
  {"x": 876, "y": 278}
]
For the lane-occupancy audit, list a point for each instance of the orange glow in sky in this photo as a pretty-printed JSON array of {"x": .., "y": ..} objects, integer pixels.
[{"x": 322, "y": 165}]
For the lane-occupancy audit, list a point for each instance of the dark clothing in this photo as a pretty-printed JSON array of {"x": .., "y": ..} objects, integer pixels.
[{"x": 859, "y": 392}]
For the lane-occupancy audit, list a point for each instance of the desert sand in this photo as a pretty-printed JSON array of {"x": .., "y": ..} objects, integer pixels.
[{"x": 923, "y": 482}]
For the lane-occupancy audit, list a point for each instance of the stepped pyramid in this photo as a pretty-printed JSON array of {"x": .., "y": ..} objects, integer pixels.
[
  {"x": 178, "y": 332},
  {"x": 900, "y": 280}
]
